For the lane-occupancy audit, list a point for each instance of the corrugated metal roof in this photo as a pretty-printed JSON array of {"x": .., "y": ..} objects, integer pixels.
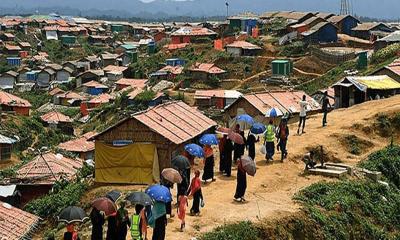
[
  {"x": 11, "y": 100},
  {"x": 15, "y": 223},
  {"x": 55, "y": 117},
  {"x": 193, "y": 31},
  {"x": 382, "y": 82},
  {"x": 207, "y": 67},
  {"x": 286, "y": 101},
  {"x": 176, "y": 121},
  {"x": 79, "y": 145},
  {"x": 48, "y": 168},
  {"x": 243, "y": 45}
]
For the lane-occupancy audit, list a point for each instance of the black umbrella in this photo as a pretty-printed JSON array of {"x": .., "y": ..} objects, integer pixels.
[
  {"x": 72, "y": 215},
  {"x": 114, "y": 195},
  {"x": 141, "y": 198},
  {"x": 180, "y": 162}
]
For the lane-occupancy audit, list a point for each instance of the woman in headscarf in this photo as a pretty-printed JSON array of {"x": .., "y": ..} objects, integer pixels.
[
  {"x": 222, "y": 160},
  {"x": 251, "y": 145},
  {"x": 195, "y": 191},
  {"x": 228, "y": 148},
  {"x": 241, "y": 184},
  {"x": 97, "y": 220},
  {"x": 112, "y": 233},
  {"x": 209, "y": 164},
  {"x": 238, "y": 149},
  {"x": 168, "y": 205}
]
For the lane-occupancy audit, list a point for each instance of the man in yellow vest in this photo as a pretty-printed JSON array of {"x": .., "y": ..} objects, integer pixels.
[
  {"x": 135, "y": 227},
  {"x": 136, "y": 224},
  {"x": 269, "y": 141}
]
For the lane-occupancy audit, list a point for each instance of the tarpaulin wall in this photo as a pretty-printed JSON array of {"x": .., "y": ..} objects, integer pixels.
[{"x": 134, "y": 163}]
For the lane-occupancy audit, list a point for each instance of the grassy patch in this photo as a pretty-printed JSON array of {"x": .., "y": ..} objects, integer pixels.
[
  {"x": 349, "y": 209},
  {"x": 355, "y": 145},
  {"x": 237, "y": 231}
]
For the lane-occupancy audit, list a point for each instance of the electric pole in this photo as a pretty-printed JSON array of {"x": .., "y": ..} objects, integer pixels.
[{"x": 345, "y": 7}]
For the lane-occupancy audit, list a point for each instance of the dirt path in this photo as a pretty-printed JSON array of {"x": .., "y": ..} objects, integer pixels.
[
  {"x": 269, "y": 193},
  {"x": 298, "y": 71}
]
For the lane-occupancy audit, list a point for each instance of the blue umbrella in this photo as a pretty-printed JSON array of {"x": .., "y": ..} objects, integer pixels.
[
  {"x": 273, "y": 112},
  {"x": 245, "y": 118},
  {"x": 258, "y": 128},
  {"x": 194, "y": 150},
  {"x": 159, "y": 193},
  {"x": 208, "y": 139}
]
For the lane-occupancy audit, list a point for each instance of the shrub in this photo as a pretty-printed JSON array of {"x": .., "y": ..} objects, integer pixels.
[
  {"x": 238, "y": 231},
  {"x": 385, "y": 53},
  {"x": 386, "y": 161},
  {"x": 49, "y": 206},
  {"x": 294, "y": 49}
]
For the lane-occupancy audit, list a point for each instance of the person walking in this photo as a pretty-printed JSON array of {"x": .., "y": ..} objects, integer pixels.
[
  {"x": 195, "y": 191},
  {"x": 269, "y": 141},
  {"x": 241, "y": 183},
  {"x": 251, "y": 145},
  {"x": 282, "y": 135},
  {"x": 238, "y": 149},
  {"x": 160, "y": 222},
  {"x": 325, "y": 108},
  {"x": 122, "y": 221},
  {"x": 97, "y": 220},
  {"x": 208, "y": 164},
  {"x": 181, "y": 210},
  {"x": 228, "y": 148},
  {"x": 112, "y": 227},
  {"x": 303, "y": 114},
  {"x": 168, "y": 205},
  {"x": 138, "y": 228},
  {"x": 222, "y": 160}
]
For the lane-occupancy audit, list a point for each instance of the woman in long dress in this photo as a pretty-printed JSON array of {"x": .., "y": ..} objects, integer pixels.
[
  {"x": 241, "y": 183},
  {"x": 209, "y": 164},
  {"x": 97, "y": 220},
  {"x": 251, "y": 145}
]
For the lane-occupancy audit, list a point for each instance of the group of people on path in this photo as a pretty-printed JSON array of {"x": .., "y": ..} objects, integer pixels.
[{"x": 120, "y": 223}]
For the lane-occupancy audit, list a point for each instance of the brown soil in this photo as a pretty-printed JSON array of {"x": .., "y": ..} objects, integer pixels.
[
  {"x": 311, "y": 64},
  {"x": 269, "y": 194}
]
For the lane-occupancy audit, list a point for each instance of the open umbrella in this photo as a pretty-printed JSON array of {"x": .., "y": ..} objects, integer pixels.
[
  {"x": 113, "y": 195},
  {"x": 159, "y": 193},
  {"x": 249, "y": 165},
  {"x": 72, "y": 214},
  {"x": 171, "y": 175},
  {"x": 223, "y": 130},
  {"x": 194, "y": 150},
  {"x": 180, "y": 162},
  {"x": 106, "y": 205},
  {"x": 273, "y": 112},
  {"x": 208, "y": 139},
  {"x": 258, "y": 128},
  {"x": 141, "y": 198},
  {"x": 236, "y": 137}
]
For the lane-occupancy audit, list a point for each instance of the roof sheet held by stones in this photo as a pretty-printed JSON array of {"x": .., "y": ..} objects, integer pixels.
[
  {"x": 15, "y": 223},
  {"x": 176, "y": 121},
  {"x": 48, "y": 168}
]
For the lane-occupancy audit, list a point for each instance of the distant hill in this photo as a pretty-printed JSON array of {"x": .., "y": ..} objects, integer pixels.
[{"x": 388, "y": 9}]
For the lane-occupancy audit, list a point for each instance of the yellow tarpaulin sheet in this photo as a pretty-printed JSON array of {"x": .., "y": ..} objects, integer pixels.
[
  {"x": 379, "y": 83},
  {"x": 134, "y": 163}
]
